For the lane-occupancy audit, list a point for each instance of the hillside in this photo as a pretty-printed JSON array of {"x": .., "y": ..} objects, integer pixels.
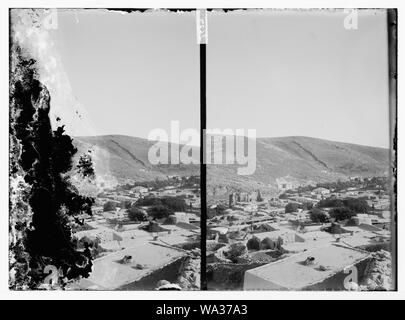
[
  {"x": 118, "y": 157},
  {"x": 301, "y": 159}
]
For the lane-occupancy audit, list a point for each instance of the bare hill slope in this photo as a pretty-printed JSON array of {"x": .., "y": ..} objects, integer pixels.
[{"x": 302, "y": 159}]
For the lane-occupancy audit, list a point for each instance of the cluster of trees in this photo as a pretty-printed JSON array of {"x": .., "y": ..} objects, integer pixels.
[
  {"x": 190, "y": 182},
  {"x": 173, "y": 203},
  {"x": 113, "y": 205},
  {"x": 317, "y": 215},
  {"x": 254, "y": 243},
  {"x": 340, "y": 185},
  {"x": 356, "y": 205},
  {"x": 338, "y": 214},
  {"x": 377, "y": 183},
  {"x": 158, "y": 207},
  {"x": 367, "y": 183},
  {"x": 136, "y": 214},
  {"x": 343, "y": 209},
  {"x": 185, "y": 182},
  {"x": 293, "y": 207},
  {"x": 341, "y": 213},
  {"x": 160, "y": 211}
]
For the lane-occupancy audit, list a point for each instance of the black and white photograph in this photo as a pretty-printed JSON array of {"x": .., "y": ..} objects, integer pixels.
[
  {"x": 214, "y": 152},
  {"x": 309, "y": 204},
  {"x": 92, "y": 205}
]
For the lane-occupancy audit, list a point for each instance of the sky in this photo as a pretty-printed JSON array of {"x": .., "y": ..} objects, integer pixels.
[
  {"x": 283, "y": 73},
  {"x": 130, "y": 73},
  {"x": 299, "y": 73}
]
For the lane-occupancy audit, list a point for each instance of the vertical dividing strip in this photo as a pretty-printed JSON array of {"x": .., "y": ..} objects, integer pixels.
[
  {"x": 201, "y": 22},
  {"x": 203, "y": 121}
]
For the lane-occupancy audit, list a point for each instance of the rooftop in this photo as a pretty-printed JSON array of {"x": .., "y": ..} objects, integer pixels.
[
  {"x": 109, "y": 274},
  {"x": 292, "y": 273}
]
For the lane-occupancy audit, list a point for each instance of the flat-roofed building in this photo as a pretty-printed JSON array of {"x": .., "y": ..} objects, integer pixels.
[
  {"x": 145, "y": 261},
  {"x": 292, "y": 273}
]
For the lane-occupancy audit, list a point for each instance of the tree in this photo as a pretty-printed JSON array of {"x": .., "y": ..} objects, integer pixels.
[
  {"x": 85, "y": 165},
  {"x": 109, "y": 206},
  {"x": 356, "y": 205},
  {"x": 159, "y": 212},
  {"x": 174, "y": 203},
  {"x": 317, "y": 215},
  {"x": 136, "y": 214},
  {"x": 148, "y": 201},
  {"x": 267, "y": 244},
  {"x": 341, "y": 213},
  {"x": 330, "y": 203},
  {"x": 291, "y": 207},
  {"x": 253, "y": 243}
]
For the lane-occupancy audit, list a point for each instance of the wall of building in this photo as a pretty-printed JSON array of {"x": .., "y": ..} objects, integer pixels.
[
  {"x": 169, "y": 272},
  {"x": 253, "y": 282},
  {"x": 228, "y": 276}
]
